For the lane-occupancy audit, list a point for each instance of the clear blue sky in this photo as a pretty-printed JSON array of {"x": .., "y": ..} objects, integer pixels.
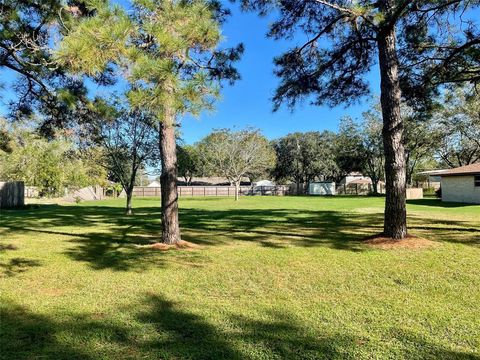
[{"x": 247, "y": 103}]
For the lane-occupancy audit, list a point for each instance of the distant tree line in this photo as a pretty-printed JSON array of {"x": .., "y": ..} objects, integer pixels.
[{"x": 449, "y": 137}]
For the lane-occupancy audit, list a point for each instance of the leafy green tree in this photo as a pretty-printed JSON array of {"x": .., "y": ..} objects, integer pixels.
[
  {"x": 5, "y": 138},
  {"x": 349, "y": 147},
  {"x": 51, "y": 165},
  {"x": 458, "y": 122},
  {"x": 236, "y": 154},
  {"x": 189, "y": 164},
  {"x": 304, "y": 157},
  {"x": 168, "y": 53},
  {"x": 418, "y": 45}
]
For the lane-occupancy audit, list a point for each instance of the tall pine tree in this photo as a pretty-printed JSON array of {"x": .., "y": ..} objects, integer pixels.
[
  {"x": 167, "y": 51},
  {"x": 418, "y": 46}
]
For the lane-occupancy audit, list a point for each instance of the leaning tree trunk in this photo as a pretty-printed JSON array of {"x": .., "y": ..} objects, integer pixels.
[
  {"x": 168, "y": 181},
  {"x": 395, "y": 222}
]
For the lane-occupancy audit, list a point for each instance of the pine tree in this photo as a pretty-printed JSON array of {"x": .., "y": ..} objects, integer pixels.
[
  {"x": 418, "y": 46},
  {"x": 168, "y": 52}
]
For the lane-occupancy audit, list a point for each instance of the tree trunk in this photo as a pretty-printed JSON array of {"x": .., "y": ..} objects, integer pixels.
[
  {"x": 375, "y": 187},
  {"x": 395, "y": 222},
  {"x": 129, "y": 210},
  {"x": 168, "y": 182},
  {"x": 237, "y": 186}
]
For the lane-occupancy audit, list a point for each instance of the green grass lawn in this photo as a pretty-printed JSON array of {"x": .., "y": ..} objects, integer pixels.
[{"x": 275, "y": 278}]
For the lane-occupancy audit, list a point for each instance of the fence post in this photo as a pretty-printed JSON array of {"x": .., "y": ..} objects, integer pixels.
[
  {"x": 216, "y": 190},
  {"x": 180, "y": 188},
  {"x": 143, "y": 191},
  {"x": 204, "y": 191}
]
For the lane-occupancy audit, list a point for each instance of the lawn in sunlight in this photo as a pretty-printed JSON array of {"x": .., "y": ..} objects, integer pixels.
[{"x": 274, "y": 278}]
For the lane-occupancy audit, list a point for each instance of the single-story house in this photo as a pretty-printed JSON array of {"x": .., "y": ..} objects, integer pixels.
[{"x": 461, "y": 184}]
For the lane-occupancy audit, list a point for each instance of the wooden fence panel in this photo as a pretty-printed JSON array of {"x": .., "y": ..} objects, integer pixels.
[
  {"x": 12, "y": 194},
  {"x": 183, "y": 191}
]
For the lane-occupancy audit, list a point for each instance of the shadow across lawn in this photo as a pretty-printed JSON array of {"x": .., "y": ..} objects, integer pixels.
[
  {"x": 104, "y": 237},
  {"x": 158, "y": 328},
  {"x": 438, "y": 203}
]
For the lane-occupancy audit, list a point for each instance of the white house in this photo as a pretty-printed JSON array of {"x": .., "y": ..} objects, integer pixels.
[{"x": 461, "y": 184}]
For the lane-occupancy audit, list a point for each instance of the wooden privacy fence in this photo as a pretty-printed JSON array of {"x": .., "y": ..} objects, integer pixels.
[
  {"x": 277, "y": 190},
  {"x": 12, "y": 194},
  {"x": 358, "y": 189}
]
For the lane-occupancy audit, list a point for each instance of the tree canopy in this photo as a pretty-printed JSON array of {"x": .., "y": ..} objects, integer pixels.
[{"x": 236, "y": 154}]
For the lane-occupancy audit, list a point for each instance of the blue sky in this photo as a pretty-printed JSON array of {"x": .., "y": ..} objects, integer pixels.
[{"x": 247, "y": 103}]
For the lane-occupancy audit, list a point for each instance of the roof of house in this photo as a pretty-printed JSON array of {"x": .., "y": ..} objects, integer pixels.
[
  {"x": 154, "y": 183},
  {"x": 363, "y": 181},
  {"x": 472, "y": 169},
  {"x": 432, "y": 172}
]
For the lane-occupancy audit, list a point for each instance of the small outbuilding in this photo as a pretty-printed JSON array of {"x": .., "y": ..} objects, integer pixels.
[
  {"x": 321, "y": 188},
  {"x": 461, "y": 184}
]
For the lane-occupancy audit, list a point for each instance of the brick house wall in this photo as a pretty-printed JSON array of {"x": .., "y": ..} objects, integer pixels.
[{"x": 460, "y": 189}]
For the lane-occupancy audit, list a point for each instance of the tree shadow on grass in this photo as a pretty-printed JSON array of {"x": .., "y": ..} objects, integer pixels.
[
  {"x": 163, "y": 329},
  {"x": 279, "y": 228},
  {"x": 25, "y": 335},
  {"x": 438, "y": 203},
  {"x": 17, "y": 265},
  {"x": 104, "y": 237}
]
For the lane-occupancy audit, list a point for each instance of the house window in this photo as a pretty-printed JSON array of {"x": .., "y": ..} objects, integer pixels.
[{"x": 477, "y": 180}]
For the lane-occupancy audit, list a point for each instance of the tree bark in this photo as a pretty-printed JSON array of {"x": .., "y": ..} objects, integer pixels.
[
  {"x": 375, "y": 187},
  {"x": 129, "y": 210},
  {"x": 237, "y": 186},
  {"x": 395, "y": 222},
  {"x": 168, "y": 181}
]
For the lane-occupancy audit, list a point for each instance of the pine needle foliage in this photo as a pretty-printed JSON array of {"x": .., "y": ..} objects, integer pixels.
[{"x": 166, "y": 50}]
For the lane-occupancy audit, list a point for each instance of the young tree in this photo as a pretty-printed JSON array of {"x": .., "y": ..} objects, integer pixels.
[
  {"x": 130, "y": 141},
  {"x": 168, "y": 52},
  {"x": 236, "y": 154},
  {"x": 418, "y": 44},
  {"x": 188, "y": 162}
]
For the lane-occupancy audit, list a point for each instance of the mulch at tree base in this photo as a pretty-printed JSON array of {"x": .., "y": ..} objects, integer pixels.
[
  {"x": 410, "y": 242},
  {"x": 181, "y": 245}
]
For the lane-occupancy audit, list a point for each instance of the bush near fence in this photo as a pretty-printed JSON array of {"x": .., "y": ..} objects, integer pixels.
[{"x": 12, "y": 194}]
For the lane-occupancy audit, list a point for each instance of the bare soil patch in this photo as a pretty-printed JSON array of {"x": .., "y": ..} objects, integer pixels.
[
  {"x": 181, "y": 245},
  {"x": 410, "y": 242}
]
